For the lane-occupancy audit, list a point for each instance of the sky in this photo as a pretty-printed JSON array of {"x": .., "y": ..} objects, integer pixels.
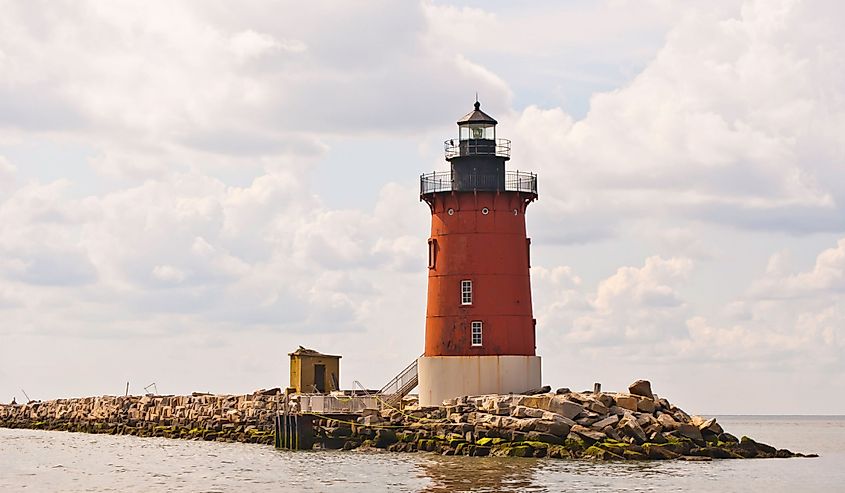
[{"x": 189, "y": 190}]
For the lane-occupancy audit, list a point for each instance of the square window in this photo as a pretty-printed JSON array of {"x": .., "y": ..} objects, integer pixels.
[
  {"x": 466, "y": 292},
  {"x": 476, "y": 333}
]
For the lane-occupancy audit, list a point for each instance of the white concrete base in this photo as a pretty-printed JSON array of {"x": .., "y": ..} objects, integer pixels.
[{"x": 447, "y": 377}]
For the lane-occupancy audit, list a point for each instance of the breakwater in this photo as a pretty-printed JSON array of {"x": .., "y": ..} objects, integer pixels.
[
  {"x": 633, "y": 425},
  {"x": 636, "y": 425},
  {"x": 242, "y": 418}
]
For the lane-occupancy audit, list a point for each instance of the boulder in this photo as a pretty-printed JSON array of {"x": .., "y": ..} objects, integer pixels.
[
  {"x": 534, "y": 401},
  {"x": 605, "y": 399},
  {"x": 690, "y": 431},
  {"x": 608, "y": 421},
  {"x": 597, "y": 407},
  {"x": 537, "y": 436},
  {"x": 641, "y": 388},
  {"x": 384, "y": 438},
  {"x": 626, "y": 402},
  {"x": 562, "y": 391},
  {"x": 540, "y": 390},
  {"x": 588, "y": 435},
  {"x": 646, "y": 405},
  {"x": 612, "y": 433},
  {"x": 561, "y": 405},
  {"x": 667, "y": 422},
  {"x": 557, "y": 428},
  {"x": 711, "y": 426},
  {"x": 526, "y": 412},
  {"x": 550, "y": 416},
  {"x": 629, "y": 427},
  {"x": 656, "y": 452}
]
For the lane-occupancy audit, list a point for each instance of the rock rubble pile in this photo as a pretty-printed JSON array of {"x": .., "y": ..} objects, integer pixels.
[
  {"x": 243, "y": 418},
  {"x": 605, "y": 425}
]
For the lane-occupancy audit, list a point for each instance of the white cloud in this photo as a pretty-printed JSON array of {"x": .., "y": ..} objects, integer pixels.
[{"x": 736, "y": 130}]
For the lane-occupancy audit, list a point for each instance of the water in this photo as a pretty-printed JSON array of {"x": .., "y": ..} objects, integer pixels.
[{"x": 58, "y": 461}]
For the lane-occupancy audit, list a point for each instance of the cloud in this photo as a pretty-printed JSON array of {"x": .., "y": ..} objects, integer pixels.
[
  {"x": 784, "y": 322},
  {"x": 735, "y": 131}
]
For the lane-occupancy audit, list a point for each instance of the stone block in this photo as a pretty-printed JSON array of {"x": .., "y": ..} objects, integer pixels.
[
  {"x": 608, "y": 421},
  {"x": 588, "y": 435},
  {"x": 641, "y": 388},
  {"x": 597, "y": 407},
  {"x": 628, "y": 402},
  {"x": 667, "y": 422},
  {"x": 557, "y": 428},
  {"x": 646, "y": 405},
  {"x": 690, "y": 431},
  {"x": 526, "y": 412},
  {"x": 559, "y": 404},
  {"x": 629, "y": 427}
]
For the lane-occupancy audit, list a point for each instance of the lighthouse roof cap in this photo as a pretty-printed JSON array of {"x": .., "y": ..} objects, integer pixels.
[{"x": 477, "y": 116}]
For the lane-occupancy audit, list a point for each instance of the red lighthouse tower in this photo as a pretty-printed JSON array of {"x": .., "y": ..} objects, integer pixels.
[{"x": 479, "y": 330}]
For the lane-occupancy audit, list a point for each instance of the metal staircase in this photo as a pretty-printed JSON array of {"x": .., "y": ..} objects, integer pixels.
[{"x": 400, "y": 385}]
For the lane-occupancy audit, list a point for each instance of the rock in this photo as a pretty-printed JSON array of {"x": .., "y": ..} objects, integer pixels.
[
  {"x": 657, "y": 437},
  {"x": 541, "y": 390},
  {"x": 602, "y": 454},
  {"x": 608, "y": 421},
  {"x": 597, "y": 407},
  {"x": 761, "y": 448},
  {"x": 626, "y": 402},
  {"x": 526, "y": 412},
  {"x": 728, "y": 438},
  {"x": 657, "y": 452},
  {"x": 525, "y": 425},
  {"x": 588, "y": 435},
  {"x": 558, "y": 428},
  {"x": 564, "y": 407},
  {"x": 641, "y": 388},
  {"x": 562, "y": 391},
  {"x": 605, "y": 399},
  {"x": 611, "y": 433},
  {"x": 667, "y": 422},
  {"x": 550, "y": 416},
  {"x": 646, "y": 405},
  {"x": 629, "y": 427},
  {"x": 711, "y": 426},
  {"x": 690, "y": 431},
  {"x": 537, "y": 436}
]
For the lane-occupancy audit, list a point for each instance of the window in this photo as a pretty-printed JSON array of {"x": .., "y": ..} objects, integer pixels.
[
  {"x": 432, "y": 253},
  {"x": 476, "y": 333},
  {"x": 466, "y": 292}
]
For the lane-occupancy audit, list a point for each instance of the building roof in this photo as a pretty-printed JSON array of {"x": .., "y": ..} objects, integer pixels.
[
  {"x": 477, "y": 116},
  {"x": 303, "y": 351}
]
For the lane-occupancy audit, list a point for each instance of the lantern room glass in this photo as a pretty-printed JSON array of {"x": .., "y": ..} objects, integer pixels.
[{"x": 478, "y": 131}]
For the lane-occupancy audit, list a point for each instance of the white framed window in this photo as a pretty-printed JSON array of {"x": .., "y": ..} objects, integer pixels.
[
  {"x": 466, "y": 292},
  {"x": 476, "y": 333}
]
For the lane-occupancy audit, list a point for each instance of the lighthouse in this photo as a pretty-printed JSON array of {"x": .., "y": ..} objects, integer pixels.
[{"x": 479, "y": 326}]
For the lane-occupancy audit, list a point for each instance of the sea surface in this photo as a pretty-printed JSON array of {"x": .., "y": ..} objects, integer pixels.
[{"x": 32, "y": 460}]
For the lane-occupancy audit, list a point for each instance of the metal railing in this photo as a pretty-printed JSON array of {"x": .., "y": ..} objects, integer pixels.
[
  {"x": 401, "y": 381},
  {"x": 475, "y": 147},
  {"x": 443, "y": 181},
  {"x": 328, "y": 404}
]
